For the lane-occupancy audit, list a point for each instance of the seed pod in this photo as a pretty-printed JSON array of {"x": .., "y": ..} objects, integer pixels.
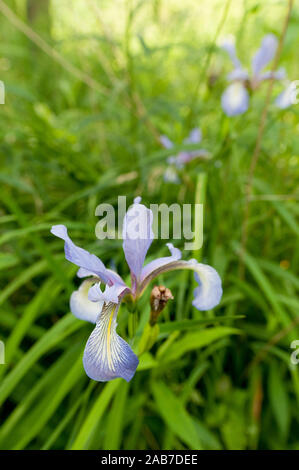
[{"x": 158, "y": 300}]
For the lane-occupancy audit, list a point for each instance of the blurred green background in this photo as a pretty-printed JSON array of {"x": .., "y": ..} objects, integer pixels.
[{"x": 90, "y": 86}]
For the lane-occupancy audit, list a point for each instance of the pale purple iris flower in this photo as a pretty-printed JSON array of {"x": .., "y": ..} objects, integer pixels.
[
  {"x": 235, "y": 99},
  {"x": 106, "y": 355},
  {"x": 177, "y": 162}
]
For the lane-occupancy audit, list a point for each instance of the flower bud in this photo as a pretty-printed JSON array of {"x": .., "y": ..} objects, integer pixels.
[{"x": 158, "y": 300}]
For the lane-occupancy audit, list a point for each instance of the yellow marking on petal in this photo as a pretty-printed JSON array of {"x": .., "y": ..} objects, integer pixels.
[{"x": 108, "y": 340}]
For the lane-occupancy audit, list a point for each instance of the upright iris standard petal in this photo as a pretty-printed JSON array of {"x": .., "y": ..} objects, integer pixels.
[
  {"x": 106, "y": 355},
  {"x": 80, "y": 304},
  {"x": 264, "y": 54},
  {"x": 235, "y": 99},
  {"x": 81, "y": 257},
  {"x": 138, "y": 236}
]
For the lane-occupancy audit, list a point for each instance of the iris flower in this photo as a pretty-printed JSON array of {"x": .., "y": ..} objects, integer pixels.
[
  {"x": 287, "y": 96},
  {"x": 106, "y": 355},
  {"x": 235, "y": 99},
  {"x": 177, "y": 162}
]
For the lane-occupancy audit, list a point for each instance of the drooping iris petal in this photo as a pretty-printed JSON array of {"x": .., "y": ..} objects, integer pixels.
[
  {"x": 153, "y": 269},
  {"x": 81, "y": 257},
  {"x": 81, "y": 306},
  {"x": 235, "y": 99},
  {"x": 166, "y": 142},
  {"x": 287, "y": 97},
  {"x": 264, "y": 54},
  {"x": 209, "y": 291},
  {"x": 137, "y": 236},
  {"x": 106, "y": 355}
]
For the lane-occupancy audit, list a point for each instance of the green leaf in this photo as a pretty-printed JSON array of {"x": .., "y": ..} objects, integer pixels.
[
  {"x": 115, "y": 419},
  {"x": 175, "y": 416},
  {"x": 95, "y": 415},
  {"x": 279, "y": 399},
  {"x": 197, "y": 340},
  {"x": 63, "y": 328}
]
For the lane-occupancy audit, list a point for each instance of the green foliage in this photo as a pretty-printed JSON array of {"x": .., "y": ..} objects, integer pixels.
[{"x": 212, "y": 380}]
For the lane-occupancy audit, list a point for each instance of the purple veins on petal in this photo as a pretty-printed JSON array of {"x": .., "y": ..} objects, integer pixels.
[{"x": 107, "y": 356}]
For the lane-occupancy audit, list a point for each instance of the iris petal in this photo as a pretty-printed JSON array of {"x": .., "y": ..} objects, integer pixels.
[
  {"x": 138, "y": 236},
  {"x": 81, "y": 257},
  {"x": 238, "y": 74},
  {"x": 228, "y": 44},
  {"x": 166, "y": 142},
  {"x": 235, "y": 99},
  {"x": 286, "y": 97},
  {"x": 106, "y": 355},
  {"x": 186, "y": 157},
  {"x": 209, "y": 291},
  {"x": 279, "y": 74},
  {"x": 194, "y": 137},
  {"x": 264, "y": 54},
  {"x": 110, "y": 294},
  {"x": 82, "y": 272},
  {"x": 81, "y": 306},
  {"x": 153, "y": 269}
]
